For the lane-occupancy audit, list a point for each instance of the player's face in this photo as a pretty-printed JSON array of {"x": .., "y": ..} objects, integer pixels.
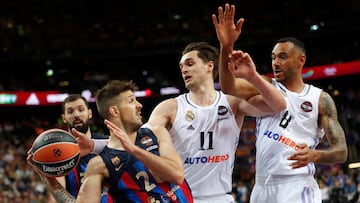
[
  {"x": 286, "y": 61},
  {"x": 130, "y": 110},
  {"x": 77, "y": 115},
  {"x": 193, "y": 69}
]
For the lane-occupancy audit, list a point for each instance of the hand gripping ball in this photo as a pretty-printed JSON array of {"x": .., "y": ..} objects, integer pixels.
[{"x": 55, "y": 152}]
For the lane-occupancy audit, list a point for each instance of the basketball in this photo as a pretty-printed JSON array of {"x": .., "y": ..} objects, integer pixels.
[{"x": 55, "y": 152}]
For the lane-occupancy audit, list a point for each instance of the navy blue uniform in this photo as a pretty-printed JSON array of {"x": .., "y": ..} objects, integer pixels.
[
  {"x": 75, "y": 178},
  {"x": 131, "y": 181}
]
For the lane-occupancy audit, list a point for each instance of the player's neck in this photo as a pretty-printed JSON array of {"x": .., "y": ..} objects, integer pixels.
[
  {"x": 203, "y": 97},
  {"x": 295, "y": 86}
]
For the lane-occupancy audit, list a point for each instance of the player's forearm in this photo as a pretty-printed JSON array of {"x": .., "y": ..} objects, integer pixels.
[
  {"x": 331, "y": 156},
  {"x": 271, "y": 95},
  {"x": 168, "y": 170},
  {"x": 60, "y": 194},
  {"x": 226, "y": 78}
]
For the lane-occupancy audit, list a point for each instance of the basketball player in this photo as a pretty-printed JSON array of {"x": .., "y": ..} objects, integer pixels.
[
  {"x": 204, "y": 124},
  {"x": 77, "y": 114},
  {"x": 138, "y": 164},
  {"x": 286, "y": 142}
]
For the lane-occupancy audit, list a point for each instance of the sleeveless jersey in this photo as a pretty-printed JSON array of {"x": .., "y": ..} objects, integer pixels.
[
  {"x": 131, "y": 181},
  {"x": 75, "y": 178},
  {"x": 206, "y": 138},
  {"x": 278, "y": 135}
]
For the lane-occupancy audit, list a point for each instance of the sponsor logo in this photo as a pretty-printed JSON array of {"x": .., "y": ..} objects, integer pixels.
[
  {"x": 147, "y": 141},
  {"x": 222, "y": 110},
  {"x": 117, "y": 168},
  {"x": 306, "y": 106},
  {"x": 208, "y": 159},
  {"x": 152, "y": 147},
  {"x": 61, "y": 168},
  {"x": 281, "y": 139}
]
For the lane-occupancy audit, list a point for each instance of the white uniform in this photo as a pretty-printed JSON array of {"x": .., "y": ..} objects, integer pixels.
[
  {"x": 206, "y": 138},
  {"x": 277, "y": 137}
]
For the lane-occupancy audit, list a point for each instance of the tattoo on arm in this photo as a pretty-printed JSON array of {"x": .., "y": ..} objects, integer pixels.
[
  {"x": 61, "y": 195},
  {"x": 335, "y": 133}
]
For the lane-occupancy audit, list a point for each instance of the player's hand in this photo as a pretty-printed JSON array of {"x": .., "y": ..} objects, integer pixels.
[
  {"x": 30, "y": 161},
  {"x": 86, "y": 144},
  {"x": 226, "y": 30},
  {"x": 122, "y": 135},
  {"x": 302, "y": 157},
  {"x": 241, "y": 65}
]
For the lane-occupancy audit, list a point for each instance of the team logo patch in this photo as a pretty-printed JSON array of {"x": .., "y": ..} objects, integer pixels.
[
  {"x": 306, "y": 106},
  {"x": 147, "y": 141},
  {"x": 222, "y": 110},
  {"x": 115, "y": 161},
  {"x": 189, "y": 116}
]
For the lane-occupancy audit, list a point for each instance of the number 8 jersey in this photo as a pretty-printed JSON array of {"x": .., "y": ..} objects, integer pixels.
[{"x": 278, "y": 135}]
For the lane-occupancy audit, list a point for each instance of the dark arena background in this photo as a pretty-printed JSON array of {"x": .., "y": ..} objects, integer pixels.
[{"x": 49, "y": 49}]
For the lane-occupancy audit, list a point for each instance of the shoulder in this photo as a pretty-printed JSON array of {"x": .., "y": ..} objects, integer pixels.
[
  {"x": 326, "y": 103},
  {"x": 155, "y": 129},
  {"x": 96, "y": 165},
  {"x": 168, "y": 102},
  {"x": 167, "y": 106}
]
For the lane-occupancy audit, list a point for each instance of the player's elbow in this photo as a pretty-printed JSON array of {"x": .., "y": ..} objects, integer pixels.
[
  {"x": 178, "y": 178},
  {"x": 343, "y": 155},
  {"x": 281, "y": 106}
]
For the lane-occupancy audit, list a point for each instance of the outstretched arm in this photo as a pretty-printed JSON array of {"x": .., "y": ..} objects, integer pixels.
[
  {"x": 227, "y": 32},
  {"x": 337, "y": 151},
  {"x": 270, "y": 99},
  {"x": 88, "y": 145}
]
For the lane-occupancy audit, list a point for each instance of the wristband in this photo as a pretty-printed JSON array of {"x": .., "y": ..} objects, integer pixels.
[{"x": 99, "y": 145}]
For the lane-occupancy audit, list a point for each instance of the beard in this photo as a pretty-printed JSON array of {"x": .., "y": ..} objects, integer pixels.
[{"x": 81, "y": 128}]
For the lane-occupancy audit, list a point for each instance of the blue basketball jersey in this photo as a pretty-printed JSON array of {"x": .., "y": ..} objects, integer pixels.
[
  {"x": 75, "y": 178},
  {"x": 131, "y": 181}
]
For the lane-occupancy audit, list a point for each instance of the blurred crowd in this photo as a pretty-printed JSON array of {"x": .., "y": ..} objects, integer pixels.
[{"x": 85, "y": 44}]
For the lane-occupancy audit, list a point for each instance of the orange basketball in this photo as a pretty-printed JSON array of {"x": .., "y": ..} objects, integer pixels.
[{"x": 55, "y": 152}]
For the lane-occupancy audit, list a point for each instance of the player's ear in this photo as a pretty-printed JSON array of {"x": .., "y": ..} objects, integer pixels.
[
  {"x": 63, "y": 118},
  {"x": 90, "y": 114},
  {"x": 114, "y": 110}
]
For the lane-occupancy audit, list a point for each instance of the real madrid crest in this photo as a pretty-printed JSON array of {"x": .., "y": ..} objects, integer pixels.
[{"x": 189, "y": 116}]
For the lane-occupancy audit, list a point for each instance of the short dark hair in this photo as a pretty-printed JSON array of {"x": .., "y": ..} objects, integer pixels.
[
  {"x": 105, "y": 96},
  {"x": 206, "y": 52},
  {"x": 298, "y": 44},
  {"x": 71, "y": 98}
]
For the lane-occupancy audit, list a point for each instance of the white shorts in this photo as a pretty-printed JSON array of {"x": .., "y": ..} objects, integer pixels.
[
  {"x": 227, "y": 198},
  {"x": 285, "y": 189}
]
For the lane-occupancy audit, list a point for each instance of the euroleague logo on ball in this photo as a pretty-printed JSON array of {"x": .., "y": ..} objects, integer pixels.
[{"x": 57, "y": 152}]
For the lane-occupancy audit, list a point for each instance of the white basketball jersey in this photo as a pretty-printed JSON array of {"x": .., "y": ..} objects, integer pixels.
[
  {"x": 206, "y": 137},
  {"x": 278, "y": 135}
]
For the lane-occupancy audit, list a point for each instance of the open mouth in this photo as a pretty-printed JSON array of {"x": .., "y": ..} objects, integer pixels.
[{"x": 186, "y": 78}]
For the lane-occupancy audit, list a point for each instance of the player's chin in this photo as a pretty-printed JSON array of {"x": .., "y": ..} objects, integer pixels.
[{"x": 278, "y": 77}]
